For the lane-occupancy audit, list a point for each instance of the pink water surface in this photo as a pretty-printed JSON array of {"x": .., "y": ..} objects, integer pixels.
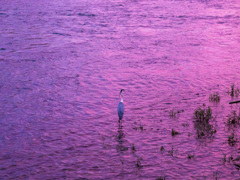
[{"x": 63, "y": 64}]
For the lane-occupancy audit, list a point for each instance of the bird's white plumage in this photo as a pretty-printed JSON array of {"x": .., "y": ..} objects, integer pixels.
[{"x": 120, "y": 106}]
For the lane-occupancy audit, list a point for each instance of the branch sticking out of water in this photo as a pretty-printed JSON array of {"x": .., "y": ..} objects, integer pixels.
[{"x": 233, "y": 102}]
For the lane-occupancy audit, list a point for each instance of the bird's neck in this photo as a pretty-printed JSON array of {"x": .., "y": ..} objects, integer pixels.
[{"x": 121, "y": 97}]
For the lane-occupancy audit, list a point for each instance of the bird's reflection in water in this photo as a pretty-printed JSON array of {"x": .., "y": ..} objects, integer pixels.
[{"x": 120, "y": 138}]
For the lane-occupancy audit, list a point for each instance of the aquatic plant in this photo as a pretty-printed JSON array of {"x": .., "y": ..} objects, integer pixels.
[
  {"x": 138, "y": 164},
  {"x": 203, "y": 114},
  {"x": 174, "y": 132},
  {"x": 204, "y": 129},
  {"x": 230, "y": 159},
  {"x": 234, "y": 91},
  {"x": 214, "y": 97},
  {"x": 162, "y": 148},
  {"x": 215, "y": 175},
  {"x": 232, "y": 140},
  {"x": 224, "y": 158},
  {"x": 171, "y": 152},
  {"x": 233, "y": 160},
  {"x": 121, "y": 148},
  {"x": 233, "y": 118},
  {"x": 133, "y": 147},
  {"x": 213, "y": 131},
  {"x": 172, "y": 113}
]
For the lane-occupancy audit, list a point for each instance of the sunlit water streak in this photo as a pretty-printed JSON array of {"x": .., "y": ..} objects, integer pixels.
[{"x": 63, "y": 64}]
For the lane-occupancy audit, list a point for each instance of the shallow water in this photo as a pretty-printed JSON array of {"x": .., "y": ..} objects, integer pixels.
[{"x": 63, "y": 64}]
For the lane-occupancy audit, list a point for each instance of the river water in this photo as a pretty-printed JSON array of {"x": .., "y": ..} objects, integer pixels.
[{"x": 63, "y": 64}]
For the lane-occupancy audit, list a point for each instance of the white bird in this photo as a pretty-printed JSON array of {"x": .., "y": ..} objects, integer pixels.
[{"x": 120, "y": 107}]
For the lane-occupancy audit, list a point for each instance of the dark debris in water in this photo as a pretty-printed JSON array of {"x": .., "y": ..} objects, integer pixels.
[
  {"x": 173, "y": 113},
  {"x": 61, "y": 34},
  {"x": 161, "y": 178},
  {"x": 30, "y": 60},
  {"x": 190, "y": 156},
  {"x": 133, "y": 148},
  {"x": 173, "y": 133},
  {"x": 140, "y": 128},
  {"x": 85, "y": 14},
  {"x": 70, "y": 148},
  {"x": 162, "y": 148},
  {"x": 4, "y": 14},
  {"x": 185, "y": 124}
]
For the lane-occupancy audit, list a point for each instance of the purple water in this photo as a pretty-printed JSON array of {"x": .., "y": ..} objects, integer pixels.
[{"x": 63, "y": 64}]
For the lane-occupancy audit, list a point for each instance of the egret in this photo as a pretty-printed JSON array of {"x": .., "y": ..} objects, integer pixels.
[{"x": 120, "y": 108}]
